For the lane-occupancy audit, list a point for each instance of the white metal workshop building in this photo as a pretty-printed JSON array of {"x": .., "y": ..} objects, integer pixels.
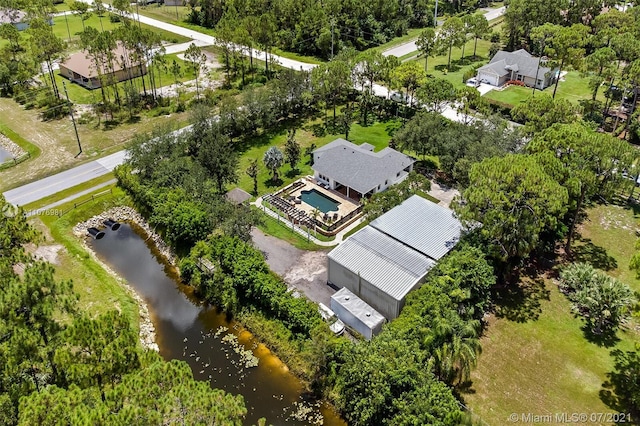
[{"x": 391, "y": 256}]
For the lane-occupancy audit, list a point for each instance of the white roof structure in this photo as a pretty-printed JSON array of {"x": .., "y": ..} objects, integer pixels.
[
  {"x": 431, "y": 229},
  {"x": 383, "y": 261}
]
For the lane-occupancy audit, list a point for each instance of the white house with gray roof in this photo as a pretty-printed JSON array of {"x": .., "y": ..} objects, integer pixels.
[
  {"x": 391, "y": 256},
  {"x": 519, "y": 66},
  {"x": 356, "y": 170}
]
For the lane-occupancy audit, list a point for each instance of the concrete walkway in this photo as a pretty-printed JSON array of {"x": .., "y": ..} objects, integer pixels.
[{"x": 337, "y": 240}]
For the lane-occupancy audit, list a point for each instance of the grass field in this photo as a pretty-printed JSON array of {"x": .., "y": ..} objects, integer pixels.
[
  {"x": 276, "y": 229},
  {"x": 75, "y": 27},
  {"x": 438, "y": 66},
  {"x": 535, "y": 356},
  {"x": 376, "y": 135},
  {"x": 58, "y": 144},
  {"x": 81, "y": 95},
  {"x": 573, "y": 88}
]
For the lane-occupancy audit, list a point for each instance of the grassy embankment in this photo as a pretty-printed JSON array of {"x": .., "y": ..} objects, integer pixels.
[
  {"x": 99, "y": 291},
  {"x": 535, "y": 356}
]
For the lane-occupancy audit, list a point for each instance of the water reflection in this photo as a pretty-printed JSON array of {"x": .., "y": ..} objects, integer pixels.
[{"x": 201, "y": 336}]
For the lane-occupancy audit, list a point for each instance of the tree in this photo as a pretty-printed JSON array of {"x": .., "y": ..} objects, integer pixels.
[
  {"x": 252, "y": 171},
  {"x": 601, "y": 65},
  {"x": 451, "y": 34},
  {"x": 588, "y": 164},
  {"x": 273, "y": 160},
  {"x": 540, "y": 112},
  {"x": 46, "y": 47},
  {"x": 479, "y": 28},
  {"x": 381, "y": 202},
  {"x": 420, "y": 133},
  {"x": 467, "y": 277},
  {"x": 565, "y": 45},
  {"x": 196, "y": 59},
  {"x": 408, "y": 76},
  {"x": 602, "y": 300},
  {"x": 309, "y": 152},
  {"x": 161, "y": 393},
  {"x": 98, "y": 352},
  {"x": 514, "y": 200},
  {"x": 292, "y": 150},
  {"x": 436, "y": 93},
  {"x": 218, "y": 157},
  {"x": 427, "y": 44},
  {"x": 81, "y": 9}
]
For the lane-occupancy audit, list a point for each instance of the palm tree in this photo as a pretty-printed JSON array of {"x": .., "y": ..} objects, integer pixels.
[
  {"x": 273, "y": 160},
  {"x": 456, "y": 349}
]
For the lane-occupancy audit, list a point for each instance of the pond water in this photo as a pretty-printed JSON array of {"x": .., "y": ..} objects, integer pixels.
[
  {"x": 4, "y": 155},
  {"x": 198, "y": 334}
]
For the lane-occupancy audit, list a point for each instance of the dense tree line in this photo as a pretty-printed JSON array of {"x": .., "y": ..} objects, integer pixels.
[
  {"x": 58, "y": 365},
  {"x": 312, "y": 27}
]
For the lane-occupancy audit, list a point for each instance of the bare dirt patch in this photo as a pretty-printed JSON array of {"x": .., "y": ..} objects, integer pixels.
[{"x": 306, "y": 271}]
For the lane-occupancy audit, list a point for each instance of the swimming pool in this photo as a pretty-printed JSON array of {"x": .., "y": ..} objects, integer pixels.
[{"x": 319, "y": 201}]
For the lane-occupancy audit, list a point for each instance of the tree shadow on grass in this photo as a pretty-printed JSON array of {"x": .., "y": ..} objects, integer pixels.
[
  {"x": 606, "y": 340},
  {"x": 290, "y": 174},
  {"x": 272, "y": 183},
  {"x": 587, "y": 252},
  {"x": 452, "y": 68},
  {"x": 521, "y": 302},
  {"x": 620, "y": 388}
]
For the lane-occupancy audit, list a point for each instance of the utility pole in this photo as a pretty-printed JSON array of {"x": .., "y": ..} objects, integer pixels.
[
  {"x": 435, "y": 16},
  {"x": 73, "y": 120}
]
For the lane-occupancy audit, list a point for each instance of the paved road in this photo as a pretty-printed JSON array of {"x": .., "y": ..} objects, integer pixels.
[
  {"x": 53, "y": 184},
  {"x": 410, "y": 46}
]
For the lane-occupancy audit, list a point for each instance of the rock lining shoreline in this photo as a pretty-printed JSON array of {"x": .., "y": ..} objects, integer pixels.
[
  {"x": 10, "y": 146},
  {"x": 129, "y": 214}
]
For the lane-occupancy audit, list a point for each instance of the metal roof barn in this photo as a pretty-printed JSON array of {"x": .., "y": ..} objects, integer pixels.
[
  {"x": 384, "y": 261},
  {"x": 431, "y": 229}
]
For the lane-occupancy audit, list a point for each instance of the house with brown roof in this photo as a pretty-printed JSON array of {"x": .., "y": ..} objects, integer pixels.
[{"x": 81, "y": 68}]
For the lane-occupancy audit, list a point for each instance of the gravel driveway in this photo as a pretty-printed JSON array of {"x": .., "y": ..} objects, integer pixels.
[{"x": 304, "y": 270}]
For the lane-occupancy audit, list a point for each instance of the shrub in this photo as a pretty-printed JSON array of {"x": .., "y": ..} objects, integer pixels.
[{"x": 603, "y": 301}]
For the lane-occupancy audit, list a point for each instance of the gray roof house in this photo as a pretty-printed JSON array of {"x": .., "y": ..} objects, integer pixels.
[
  {"x": 15, "y": 17},
  {"x": 519, "y": 66},
  {"x": 391, "y": 256},
  {"x": 356, "y": 170}
]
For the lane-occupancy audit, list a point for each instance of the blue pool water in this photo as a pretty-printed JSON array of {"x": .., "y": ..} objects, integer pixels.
[
  {"x": 319, "y": 201},
  {"x": 4, "y": 155}
]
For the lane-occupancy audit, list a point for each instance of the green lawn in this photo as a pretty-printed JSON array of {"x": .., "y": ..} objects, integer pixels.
[
  {"x": 75, "y": 27},
  {"x": 535, "y": 357},
  {"x": 277, "y": 229},
  {"x": 437, "y": 66},
  {"x": 573, "y": 88},
  {"x": 377, "y": 135},
  {"x": 81, "y": 95},
  {"x": 412, "y": 34}
]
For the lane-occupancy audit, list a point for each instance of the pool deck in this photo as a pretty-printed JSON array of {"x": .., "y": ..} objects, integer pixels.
[{"x": 346, "y": 206}]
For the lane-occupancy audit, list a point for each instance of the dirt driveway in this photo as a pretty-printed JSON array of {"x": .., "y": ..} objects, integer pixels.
[{"x": 304, "y": 270}]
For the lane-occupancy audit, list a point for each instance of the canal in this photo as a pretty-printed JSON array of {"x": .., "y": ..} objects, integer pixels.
[
  {"x": 4, "y": 155},
  {"x": 218, "y": 351}
]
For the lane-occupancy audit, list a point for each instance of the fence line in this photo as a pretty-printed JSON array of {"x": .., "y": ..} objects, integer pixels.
[
  {"x": 79, "y": 203},
  {"x": 15, "y": 161}
]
